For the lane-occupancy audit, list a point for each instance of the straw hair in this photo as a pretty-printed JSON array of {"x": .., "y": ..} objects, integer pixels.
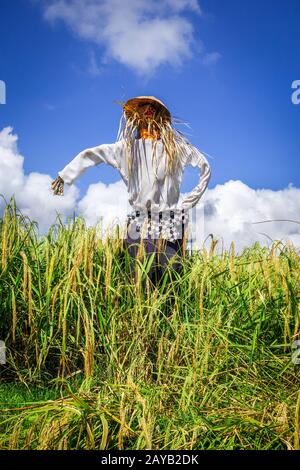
[{"x": 175, "y": 143}]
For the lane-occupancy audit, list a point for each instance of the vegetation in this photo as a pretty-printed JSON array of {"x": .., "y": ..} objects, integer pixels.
[{"x": 95, "y": 361}]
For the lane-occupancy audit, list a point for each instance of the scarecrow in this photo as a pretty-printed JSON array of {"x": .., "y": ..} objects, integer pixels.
[{"x": 150, "y": 155}]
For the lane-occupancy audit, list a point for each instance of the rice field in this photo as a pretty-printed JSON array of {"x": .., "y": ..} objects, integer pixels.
[{"x": 96, "y": 361}]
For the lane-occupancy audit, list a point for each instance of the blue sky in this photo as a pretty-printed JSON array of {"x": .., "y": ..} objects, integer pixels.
[{"x": 229, "y": 76}]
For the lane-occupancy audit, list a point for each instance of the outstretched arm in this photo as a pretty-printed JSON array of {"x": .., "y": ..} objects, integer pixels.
[
  {"x": 105, "y": 153},
  {"x": 197, "y": 158}
]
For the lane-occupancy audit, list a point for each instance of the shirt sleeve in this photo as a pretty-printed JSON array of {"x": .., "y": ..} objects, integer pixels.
[
  {"x": 197, "y": 159},
  {"x": 105, "y": 153}
]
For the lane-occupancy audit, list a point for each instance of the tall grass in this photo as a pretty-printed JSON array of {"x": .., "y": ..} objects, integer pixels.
[{"x": 203, "y": 362}]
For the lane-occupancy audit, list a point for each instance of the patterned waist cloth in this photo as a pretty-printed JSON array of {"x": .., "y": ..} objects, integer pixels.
[{"x": 169, "y": 224}]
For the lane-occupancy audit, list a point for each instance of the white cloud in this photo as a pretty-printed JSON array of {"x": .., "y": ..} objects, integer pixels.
[
  {"x": 179, "y": 5},
  {"x": 32, "y": 192},
  {"x": 34, "y": 196},
  {"x": 211, "y": 58},
  {"x": 230, "y": 209},
  {"x": 94, "y": 68},
  {"x": 140, "y": 34},
  {"x": 108, "y": 203}
]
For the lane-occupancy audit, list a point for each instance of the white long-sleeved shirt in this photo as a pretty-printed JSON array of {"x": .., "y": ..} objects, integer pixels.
[{"x": 149, "y": 188}]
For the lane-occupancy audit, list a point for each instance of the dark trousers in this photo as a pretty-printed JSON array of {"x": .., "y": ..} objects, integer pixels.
[{"x": 164, "y": 251}]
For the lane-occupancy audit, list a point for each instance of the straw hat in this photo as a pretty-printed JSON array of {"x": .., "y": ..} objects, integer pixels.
[{"x": 132, "y": 105}]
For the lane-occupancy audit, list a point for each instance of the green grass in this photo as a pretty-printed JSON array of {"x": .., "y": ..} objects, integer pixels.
[
  {"x": 94, "y": 361},
  {"x": 14, "y": 394}
]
